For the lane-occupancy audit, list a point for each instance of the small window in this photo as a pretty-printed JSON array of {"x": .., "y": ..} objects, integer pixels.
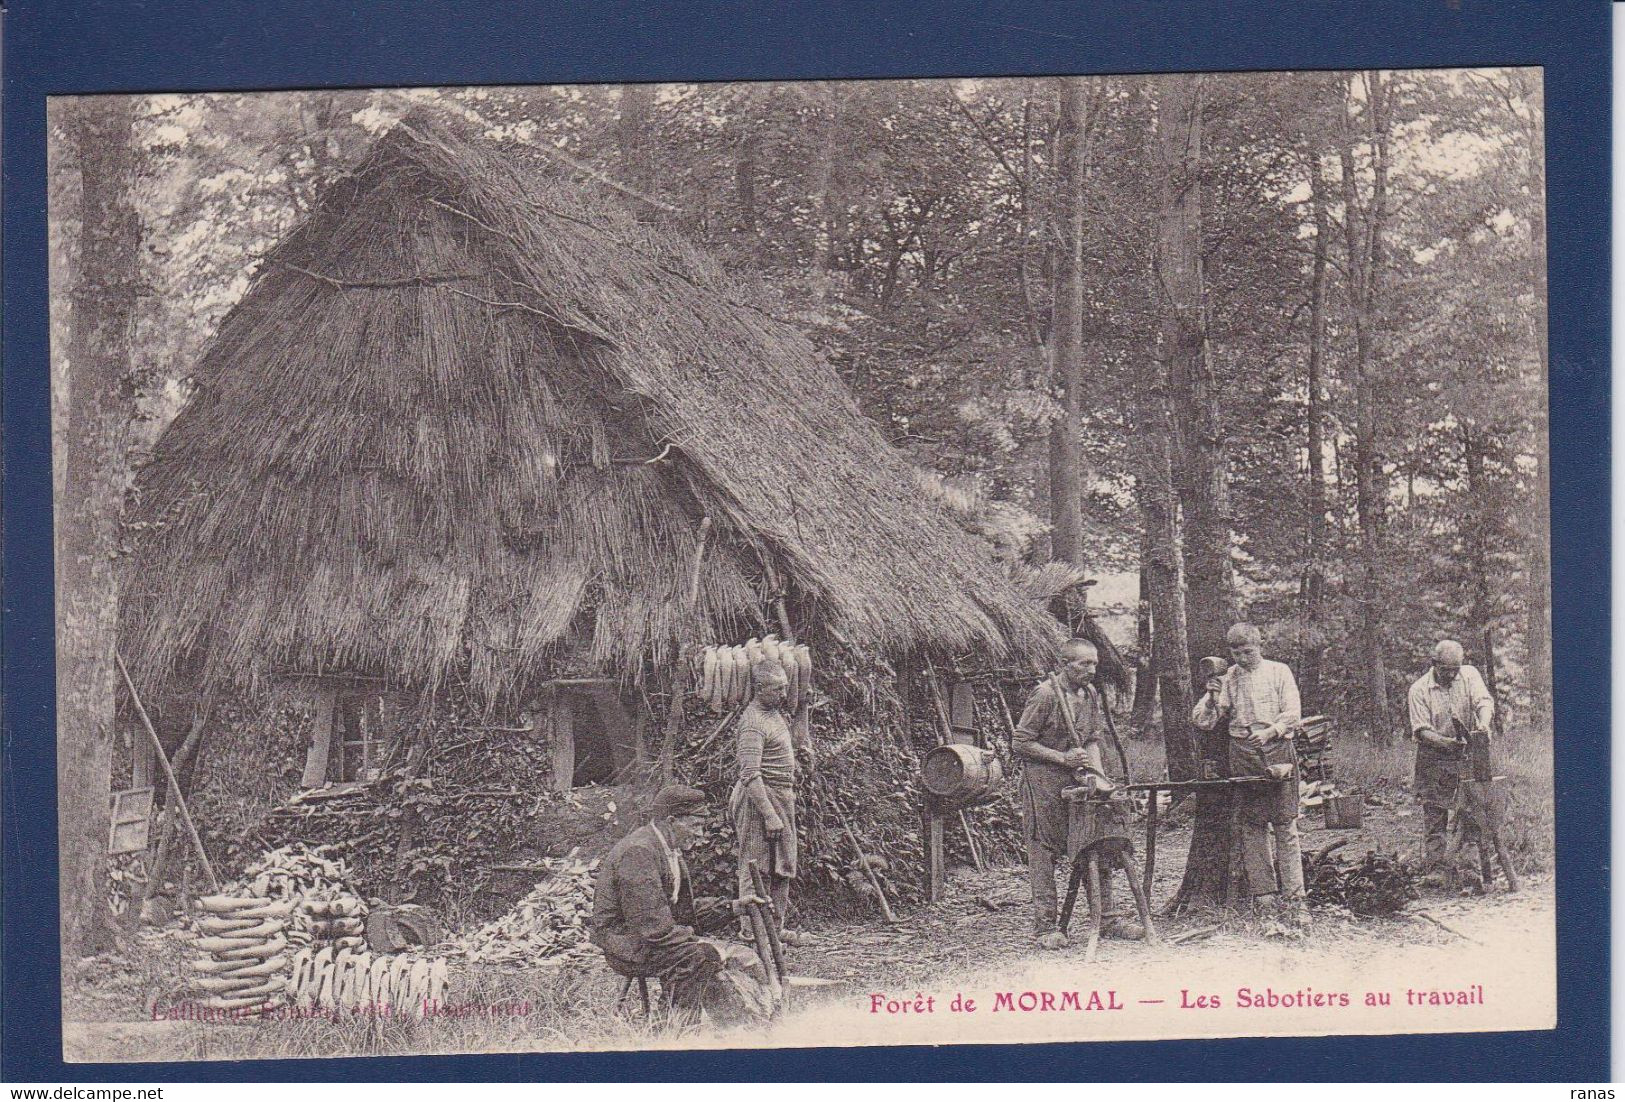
[
  {"x": 358, "y": 728},
  {"x": 349, "y": 737}
]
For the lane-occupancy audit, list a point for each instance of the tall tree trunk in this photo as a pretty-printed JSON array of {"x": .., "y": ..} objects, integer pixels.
[
  {"x": 1145, "y": 671},
  {"x": 1363, "y": 225},
  {"x": 1183, "y": 439},
  {"x": 1538, "y": 598},
  {"x": 1203, "y": 470},
  {"x": 1480, "y": 517},
  {"x": 1163, "y": 572},
  {"x": 1312, "y": 656},
  {"x": 1066, "y": 330},
  {"x": 825, "y": 191},
  {"x": 87, "y": 536}
]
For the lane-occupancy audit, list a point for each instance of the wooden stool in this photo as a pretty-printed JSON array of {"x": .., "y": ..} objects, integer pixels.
[
  {"x": 1479, "y": 804},
  {"x": 1097, "y": 843},
  {"x": 626, "y": 994},
  {"x": 623, "y": 1003}
]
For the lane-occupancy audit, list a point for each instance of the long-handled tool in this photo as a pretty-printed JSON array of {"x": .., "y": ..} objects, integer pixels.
[
  {"x": 874, "y": 881},
  {"x": 169, "y": 775},
  {"x": 774, "y": 920},
  {"x": 752, "y": 905}
]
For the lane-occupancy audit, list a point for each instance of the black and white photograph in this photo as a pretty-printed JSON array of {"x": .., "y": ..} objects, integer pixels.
[{"x": 568, "y": 568}]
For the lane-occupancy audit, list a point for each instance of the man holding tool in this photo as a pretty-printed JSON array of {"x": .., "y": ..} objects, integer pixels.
[
  {"x": 644, "y": 915},
  {"x": 1257, "y": 700},
  {"x": 1059, "y": 739},
  {"x": 1446, "y": 704}
]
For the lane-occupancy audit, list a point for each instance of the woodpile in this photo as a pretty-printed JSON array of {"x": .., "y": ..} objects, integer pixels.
[
  {"x": 547, "y": 926},
  {"x": 1380, "y": 885}
]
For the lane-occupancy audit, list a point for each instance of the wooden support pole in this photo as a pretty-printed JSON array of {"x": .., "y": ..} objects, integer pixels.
[
  {"x": 674, "y": 706},
  {"x": 970, "y": 837},
  {"x": 189, "y": 749},
  {"x": 874, "y": 881},
  {"x": 699, "y": 561},
  {"x": 674, "y": 724},
  {"x": 561, "y": 712},
  {"x": 169, "y": 775},
  {"x": 1151, "y": 814}
]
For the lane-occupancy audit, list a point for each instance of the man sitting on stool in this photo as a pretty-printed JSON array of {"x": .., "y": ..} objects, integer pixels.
[{"x": 644, "y": 915}]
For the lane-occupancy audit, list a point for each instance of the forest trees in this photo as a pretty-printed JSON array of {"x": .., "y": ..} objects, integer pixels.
[
  {"x": 1364, "y": 122},
  {"x": 991, "y": 266},
  {"x": 1274, "y": 340},
  {"x": 94, "y": 433}
]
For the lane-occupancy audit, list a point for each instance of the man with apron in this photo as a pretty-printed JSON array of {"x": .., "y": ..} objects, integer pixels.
[
  {"x": 1060, "y": 735},
  {"x": 1257, "y": 700},
  {"x": 1446, "y": 703}
]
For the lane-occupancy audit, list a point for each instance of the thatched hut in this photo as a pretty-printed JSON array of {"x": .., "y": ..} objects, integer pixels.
[{"x": 463, "y": 431}]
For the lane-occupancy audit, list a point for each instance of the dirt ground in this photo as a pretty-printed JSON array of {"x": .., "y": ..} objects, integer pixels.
[{"x": 976, "y": 939}]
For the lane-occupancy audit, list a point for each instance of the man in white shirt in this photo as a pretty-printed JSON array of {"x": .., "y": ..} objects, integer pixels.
[
  {"x": 1258, "y": 701},
  {"x": 1446, "y": 703}
]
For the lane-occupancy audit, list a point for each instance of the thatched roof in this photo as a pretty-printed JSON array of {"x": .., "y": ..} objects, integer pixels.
[{"x": 402, "y": 456}]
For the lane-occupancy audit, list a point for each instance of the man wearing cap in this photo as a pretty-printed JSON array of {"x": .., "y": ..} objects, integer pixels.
[
  {"x": 644, "y": 912},
  {"x": 1060, "y": 735},
  {"x": 763, "y": 803},
  {"x": 1446, "y": 703},
  {"x": 1257, "y": 701}
]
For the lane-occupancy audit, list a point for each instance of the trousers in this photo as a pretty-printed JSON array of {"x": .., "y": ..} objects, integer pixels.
[
  {"x": 778, "y": 864},
  {"x": 1437, "y": 780},
  {"x": 1041, "y": 875},
  {"x": 1256, "y": 859},
  {"x": 684, "y": 970}
]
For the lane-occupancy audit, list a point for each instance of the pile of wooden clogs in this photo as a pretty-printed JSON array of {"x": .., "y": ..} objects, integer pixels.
[
  {"x": 723, "y": 673},
  {"x": 243, "y": 961},
  {"x": 338, "y": 921},
  {"x": 326, "y": 910},
  {"x": 398, "y": 985}
]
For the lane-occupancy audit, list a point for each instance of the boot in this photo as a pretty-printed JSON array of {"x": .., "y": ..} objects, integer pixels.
[
  {"x": 1053, "y": 939},
  {"x": 1122, "y": 927}
]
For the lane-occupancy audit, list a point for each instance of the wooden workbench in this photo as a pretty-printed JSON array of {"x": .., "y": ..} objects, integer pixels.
[{"x": 1153, "y": 810}]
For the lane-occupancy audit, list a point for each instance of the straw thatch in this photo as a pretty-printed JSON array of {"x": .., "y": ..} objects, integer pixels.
[{"x": 418, "y": 449}]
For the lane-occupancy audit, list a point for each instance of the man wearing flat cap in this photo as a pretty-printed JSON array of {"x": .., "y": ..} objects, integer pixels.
[
  {"x": 1446, "y": 703},
  {"x": 644, "y": 912}
]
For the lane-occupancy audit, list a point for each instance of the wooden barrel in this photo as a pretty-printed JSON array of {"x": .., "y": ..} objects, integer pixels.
[{"x": 959, "y": 774}]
